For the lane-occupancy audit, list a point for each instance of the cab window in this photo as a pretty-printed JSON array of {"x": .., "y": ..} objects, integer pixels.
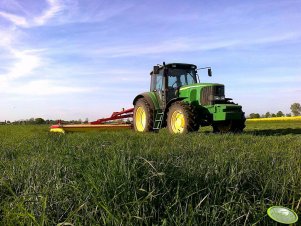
[{"x": 159, "y": 81}]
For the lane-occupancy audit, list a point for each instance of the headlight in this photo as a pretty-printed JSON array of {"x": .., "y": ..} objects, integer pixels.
[{"x": 219, "y": 97}]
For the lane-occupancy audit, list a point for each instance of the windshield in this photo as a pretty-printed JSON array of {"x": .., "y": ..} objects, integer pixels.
[{"x": 181, "y": 77}]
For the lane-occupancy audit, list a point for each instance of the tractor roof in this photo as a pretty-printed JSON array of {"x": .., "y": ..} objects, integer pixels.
[{"x": 176, "y": 65}]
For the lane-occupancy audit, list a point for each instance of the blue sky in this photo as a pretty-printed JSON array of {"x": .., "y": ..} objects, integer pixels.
[{"x": 74, "y": 59}]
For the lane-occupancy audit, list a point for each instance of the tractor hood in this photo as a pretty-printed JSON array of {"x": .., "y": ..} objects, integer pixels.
[
  {"x": 199, "y": 86},
  {"x": 202, "y": 93}
]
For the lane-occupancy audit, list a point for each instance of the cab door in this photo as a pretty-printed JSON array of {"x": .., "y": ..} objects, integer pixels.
[{"x": 158, "y": 84}]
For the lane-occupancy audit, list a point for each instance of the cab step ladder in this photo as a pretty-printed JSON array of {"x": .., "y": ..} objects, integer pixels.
[{"x": 159, "y": 116}]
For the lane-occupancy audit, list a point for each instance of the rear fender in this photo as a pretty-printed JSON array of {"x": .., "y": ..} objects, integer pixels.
[{"x": 150, "y": 98}]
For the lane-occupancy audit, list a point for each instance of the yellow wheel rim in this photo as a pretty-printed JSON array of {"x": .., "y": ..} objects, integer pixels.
[
  {"x": 177, "y": 122},
  {"x": 140, "y": 119}
]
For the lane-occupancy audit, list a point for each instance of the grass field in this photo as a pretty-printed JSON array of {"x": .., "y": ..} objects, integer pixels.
[{"x": 125, "y": 178}]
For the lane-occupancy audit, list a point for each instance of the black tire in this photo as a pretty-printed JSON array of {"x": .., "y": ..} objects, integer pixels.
[
  {"x": 222, "y": 127},
  {"x": 238, "y": 126},
  {"x": 235, "y": 126},
  {"x": 189, "y": 119},
  {"x": 140, "y": 124}
]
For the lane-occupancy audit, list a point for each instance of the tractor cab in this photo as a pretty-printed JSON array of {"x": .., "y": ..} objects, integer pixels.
[{"x": 167, "y": 79}]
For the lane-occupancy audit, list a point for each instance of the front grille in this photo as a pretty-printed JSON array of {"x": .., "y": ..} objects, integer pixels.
[{"x": 208, "y": 93}]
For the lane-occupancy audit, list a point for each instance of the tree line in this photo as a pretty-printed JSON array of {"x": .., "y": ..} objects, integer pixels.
[
  {"x": 41, "y": 121},
  {"x": 295, "y": 111}
]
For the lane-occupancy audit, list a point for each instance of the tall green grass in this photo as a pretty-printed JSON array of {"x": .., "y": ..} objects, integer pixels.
[{"x": 126, "y": 178}]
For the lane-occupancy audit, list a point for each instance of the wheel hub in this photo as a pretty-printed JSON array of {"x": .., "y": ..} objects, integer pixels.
[
  {"x": 140, "y": 119},
  {"x": 177, "y": 122}
]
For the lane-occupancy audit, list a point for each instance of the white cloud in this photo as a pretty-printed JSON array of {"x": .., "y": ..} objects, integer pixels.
[
  {"x": 53, "y": 9},
  {"x": 167, "y": 46},
  {"x": 189, "y": 44},
  {"x": 7, "y": 37},
  {"x": 26, "y": 62},
  {"x": 92, "y": 11},
  {"x": 43, "y": 88},
  {"x": 17, "y": 20}
]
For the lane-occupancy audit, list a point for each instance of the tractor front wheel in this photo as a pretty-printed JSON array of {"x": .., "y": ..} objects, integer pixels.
[
  {"x": 143, "y": 116},
  {"x": 182, "y": 118},
  {"x": 238, "y": 126}
]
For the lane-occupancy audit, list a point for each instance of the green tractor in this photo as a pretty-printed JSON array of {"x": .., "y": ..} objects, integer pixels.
[{"x": 178, "y": 101}]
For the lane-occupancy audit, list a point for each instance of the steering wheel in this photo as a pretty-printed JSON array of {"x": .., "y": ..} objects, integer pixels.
[{"x": 172, "y": 86}]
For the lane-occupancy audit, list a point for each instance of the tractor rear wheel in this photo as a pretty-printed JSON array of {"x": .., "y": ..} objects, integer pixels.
[
  {"x": 143, "y": 116},
  {"x": 182, "y": 118}
]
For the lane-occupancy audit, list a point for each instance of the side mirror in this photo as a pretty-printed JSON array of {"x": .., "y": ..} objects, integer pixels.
[
  {"x": 156, "y": 70},
  {"x": 209, "y": 72}
]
